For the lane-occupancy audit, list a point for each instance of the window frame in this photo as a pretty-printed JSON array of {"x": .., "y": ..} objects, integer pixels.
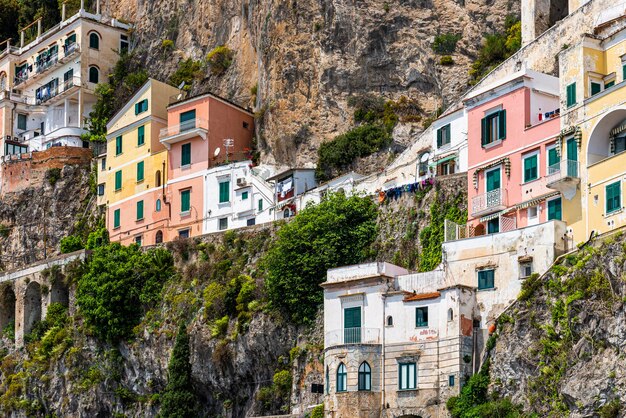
[
  {"x": 139, "y": 210},
  {"x": 365, "y": 377},
  {"x": 24, "y": 117},
  {"x": 185, "y": 155},
  {"x": 570, "y": 95},
  {"x": 119, "y": 183},
  {"x": 492, "y": 279},
  {"x": 489, "y": 134},
  {"x": 260, "y": 205},
  {"x": 342, "y": 372},
  {"x": 119, "y": 145},
  {"x": 444, "y": 136},
  {"x": 548, "y": 202},
  {"x": 141, "y": 135},
  {"x": 117, "y": 218},
  {"x": 140, "y": 171},
  {"x": 618, "y": 186},
  {"x": 404, "y": 367},
  {"x": 424, "y": 322},
  {"x": 534, "y": 154},
  {"x": 94, "y": 35},
  {"x": 183, "y": 193},
  {"x": 245, "y": 195},
  {"x": 97, "y": 74},
  {"x": 222, "y": 224},
  {"x": 224, "y": 191}
]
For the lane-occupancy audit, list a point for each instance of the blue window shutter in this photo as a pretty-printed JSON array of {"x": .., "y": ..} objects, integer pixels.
[{"x": 439, "y": 137}]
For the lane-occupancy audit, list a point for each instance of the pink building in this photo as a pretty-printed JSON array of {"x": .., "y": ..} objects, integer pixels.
[
  {"x": 512, "y": 129},
  {"x": 202, "y": 132}
]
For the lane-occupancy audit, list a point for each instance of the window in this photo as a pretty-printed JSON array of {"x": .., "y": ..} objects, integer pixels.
[
  {"x": 21, "y": 121},
  {"x": 619, "y": 144},
  {"x": 139, "y": 171},
  {"x": 185, "y": 201},
  {"x": 327, "y": 380},
  {"x": 244, "y": 196},
  {"x": 251, "y": 222},
  {"x": 260, "y": 205},
  {"x": 94, "y": 40},
  {"x": 223, "y": 224},
  {"x": 101, "y": 189},
  {"x": 185, "y": 155},
  {"x": 224, "y": 191},
  {"x": 118, "y": 145},
  {"x": 493, "y": 127},
  {"x": 571, "y": 95},
  {"x": 138, "y": 240},
  {"x": 94, "y": 75},
  {"x": 365, "y": 376},
  {"x": 342, "y": 378},
  {"x": 116, "y": 218},
  {"x": 140, "y": 210},
  {"x": 141, "y": 135},
  {"x": 451, "y": 380},
  {"x": 245, "y": 125},
  {"x": 188, "y": 120},
  {"x": 352, "y": 325},
  {"x": 124, "y": 44},
  {"x": 553, "y": 160},
  {"x": 158, "y": 237},
  {"x": 118, "y": 180},
  {"x": 407, "y": 376},
  {"x": 450, "y": 314},
  {"x": 141, "y": 106},
  {"x": 157, "y": 178},
  {"x": 613, "y": 197},
  {"x": 183, "y": 233},
  {"x": 158, "y": 205},
  {"x": 595, "y": 88},
  {"x": 531, "y": 213},
  {"x": 493, "y": 226},
  {"x": 421, "y": 316},
  {"x": 526, "y": 269},
  {"x": 443, "y": 136},
  {"x": 530, "y": 168},
  {"x": 485, "y": 279},
  {"x": 68, "y": 79},
  {"x": 390, "y": 321},
  {"x": 554, "y": 209},
  {"x": 609, "y": 84},
  {"x": 103, "y": 164}
]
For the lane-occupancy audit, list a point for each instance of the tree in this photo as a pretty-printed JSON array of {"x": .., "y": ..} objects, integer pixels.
[
  {"x": 337, "y": 232},
  {"x": 179, "y": 399},
  {"x": 9, "y": 20}
]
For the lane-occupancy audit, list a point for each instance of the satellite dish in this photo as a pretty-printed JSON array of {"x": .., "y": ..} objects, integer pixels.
[
  {"x": 179, "y": 97},
  {"x": 216, "y": 152},
  {"x": 181, "y": 85},
  {"x": 424, "y": 157}
]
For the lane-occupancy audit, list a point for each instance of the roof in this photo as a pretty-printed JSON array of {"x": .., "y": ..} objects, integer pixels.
[
  {"x": 287, "y": 172},
  {"x": 412, "y": 297},
  {"x": 212, "y": 95}
]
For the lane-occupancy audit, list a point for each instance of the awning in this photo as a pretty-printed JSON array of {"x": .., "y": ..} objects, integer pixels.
[
  {"x": 442, "y": 160},
  {"x": 495, "y": 215},
  {"x": 284, "y": 203},
  {"x": 535, "y": 201},
  {"x": 618, "y": 130}
]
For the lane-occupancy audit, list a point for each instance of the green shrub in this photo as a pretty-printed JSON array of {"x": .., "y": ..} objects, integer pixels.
[
  {"x": 97, "y": 238},
  {"x": 214, "y": 306},
  {"x": 445, "y": 43},
  {"x": 246, "y": 293},
  {"x": 337, "y": 232},
  {"x": 318, "y": 411},
  {"x": 53, "y": 175},
  {"x": 187, "y": 71},
  {"x": 610, "y": 409},
  {"x": 220, "y": 59},
  {"x": 496, "y": 48},
  {"x": 9, "y": 330},
  {"x": 446, "y": 60},
  {"x": 167, "y": 44},
  {"x": 282, "y": 382},
  {"x": 5, "y": 231},
  {"x": 219, "y": 327},
  {"x": 71, "y": 243}
]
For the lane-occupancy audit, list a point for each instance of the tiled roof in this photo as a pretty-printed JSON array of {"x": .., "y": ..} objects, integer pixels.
[{"x": 411, "y": 297}]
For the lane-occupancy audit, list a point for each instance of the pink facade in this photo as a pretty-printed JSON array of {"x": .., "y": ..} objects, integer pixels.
[
  {"x": 150, "y": 229},
  {"x": 505, "y": 191}
]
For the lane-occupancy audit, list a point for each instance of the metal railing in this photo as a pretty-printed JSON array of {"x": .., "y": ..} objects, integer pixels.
[
  {"x": 485, "y": 201},
  {"x": 188, "y": 125},
  {"x": 562, "y": 169},
  {"x": 44, "y": 65},
  {"x": 55, "y": 91},
  {"x": 352, "y": 336}
]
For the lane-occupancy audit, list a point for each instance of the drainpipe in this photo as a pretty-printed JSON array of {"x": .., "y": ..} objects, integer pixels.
[{"x": 384, "y": 330}]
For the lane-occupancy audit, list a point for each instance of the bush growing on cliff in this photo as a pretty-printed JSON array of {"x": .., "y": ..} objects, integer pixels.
[
  {"x": 179, "y": 399},
  {"x": 445, "y": 43},
  {"x": 187, "y": 71},
  {"x": 337, "y": 232},
  {"x": 220, "y": 59},
  {"x": 118, "y": 284},
  {"x": 71, "y": 243},
  {"x": 496, "y": 48}
]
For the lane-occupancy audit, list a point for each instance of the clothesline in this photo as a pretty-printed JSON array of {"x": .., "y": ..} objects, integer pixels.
[{"x": 395, "y": 192}]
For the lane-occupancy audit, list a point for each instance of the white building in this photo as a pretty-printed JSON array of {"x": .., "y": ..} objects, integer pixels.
[
  {"x": 253, "y": 198},
  {"x": 288, "y": 186},
  {"x": 346, "y": 184},
  {"x": 449, "y": 143},
  {"x": 47, "y": 86}
]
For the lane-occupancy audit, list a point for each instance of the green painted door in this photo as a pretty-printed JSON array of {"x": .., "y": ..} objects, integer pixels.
[
  {"x": 493, "y": 180},
  {"x": 352, "y": 325},
  {"x": 572, "y": 157}
]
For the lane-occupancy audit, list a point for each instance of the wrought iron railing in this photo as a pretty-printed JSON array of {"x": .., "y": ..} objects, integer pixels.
[
  {"x": 485, "y": 201},
  {"x": 355, "y": 335}
]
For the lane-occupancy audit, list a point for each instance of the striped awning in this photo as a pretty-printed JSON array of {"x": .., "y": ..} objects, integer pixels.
[
  {"x": 284, "y": 203},
  {"x": 442, "y": 160},
  {"x": 496, "y": 215},
  {"x": 617, "y": 131},
  {"x": 536, "y": 201}
]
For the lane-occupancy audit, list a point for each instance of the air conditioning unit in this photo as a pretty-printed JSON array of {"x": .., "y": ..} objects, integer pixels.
[{"x": 241, "y": 182}]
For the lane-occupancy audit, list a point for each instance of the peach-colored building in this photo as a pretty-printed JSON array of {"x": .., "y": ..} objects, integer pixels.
[
  {"x": 512, "y": 130},
  {"x": 203, "y": 132}
]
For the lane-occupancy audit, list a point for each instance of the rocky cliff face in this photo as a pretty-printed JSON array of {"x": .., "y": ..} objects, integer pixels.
[
  {"x": 561, "y": 351},
  {"x": 296, "y": 62}
]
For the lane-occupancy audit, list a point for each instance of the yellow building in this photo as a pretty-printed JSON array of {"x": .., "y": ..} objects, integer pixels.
[
  {"x": 593, "y": 140},
  {"x": 133, "y": 172}
]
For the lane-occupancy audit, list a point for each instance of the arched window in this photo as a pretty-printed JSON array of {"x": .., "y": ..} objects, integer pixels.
[
  {"x": 327, "y": 380},
  {"x": 450, "y": 314},
  {"x": 390, "y": 321},
  {"x": 365, "y": 376},
  {"x": 157, "y": 178},
  {"x": 342, "y": 378},
  {"x": 286, "y": 213},
  {"x": 159, "y": 237},
  {"x": 94, "y": 40},
  {"x": 94, "y": 75},
  {"x": 3, "y": 81},
  {"x": 158, "y": 205}
]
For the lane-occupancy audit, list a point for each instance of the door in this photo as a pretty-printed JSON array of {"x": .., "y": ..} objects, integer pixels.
[
  {"x": 187, "y": 120},
  {"x": 352, "y": 325},
  {"x": 493, "y": 180},
  {"x": 572, "y": 157}
]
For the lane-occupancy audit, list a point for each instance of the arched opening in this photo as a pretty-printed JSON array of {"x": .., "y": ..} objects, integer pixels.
[
  {"x": 342, "y": 378},
  {"x": 390, "y": 321},
  {"x": 479, "y": 230},
  {"x": 59, "y": 292},
  {"x": 607, "y": 137},
  {"x": 365, "y": 376},
  {"x": 94, "y": 75},
  {"x": 94, "y": 40},
  {"x": 158, "y": 205},
  {"x": 450, "y": 314},
  {"x": 7, "y": 308},
  {"x": 32, "y": 306},
  {"x": 3, "y": 81},
  {"x": 158, "y": 239},
  {"x": 157, "y": 178}
]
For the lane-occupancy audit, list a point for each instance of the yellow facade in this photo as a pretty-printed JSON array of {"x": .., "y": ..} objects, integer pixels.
[{"x": 597, "y": 116}]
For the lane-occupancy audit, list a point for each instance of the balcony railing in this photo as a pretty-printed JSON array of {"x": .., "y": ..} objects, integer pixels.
[
  {"x": 487, "y": 201},
  {"x": 184, "y": 127},
  {"x": 44, "y": 65},
  {"x": 55, "y": 91},
  {"x": 353, "y": 336},
  {"x": 562, "y": 169}
]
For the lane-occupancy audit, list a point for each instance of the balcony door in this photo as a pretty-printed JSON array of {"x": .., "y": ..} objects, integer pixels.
[
  {"x": 187, "y": 120},
  {"x": 493, "y": 180},
  {"x": 352, "y": 325},
  {"x": 572, "y": 157}
]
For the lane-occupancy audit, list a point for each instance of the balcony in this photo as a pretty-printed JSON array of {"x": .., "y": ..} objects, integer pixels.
[
  {"x": 352, "y": 336},
  {"x": 42, "y": 68},
  {"x": 489, "y": 202},
  {"x": 60, "y": 92},
  {"x": 564, "y": 177},
  {"x": 185, "y": 130}
]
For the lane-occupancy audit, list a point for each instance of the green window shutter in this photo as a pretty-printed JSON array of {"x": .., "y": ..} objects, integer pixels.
[
  {"x": 185, "y": 155},
  {"x": 136, "y": 108},
  {"x": 530, "y": 168},
  {"x": 486, "y": 279},
  {"x": 116, "y": 218},
  {"x": 140, "y": 171},
  {"x": 118, "y": 145},
  {"x": 609, "y": 84},
  {"x": 595, "y": 88},
  {"x": 188, "y": 120},
  {"x": 244, "y": 196},
  {"x": 493, "y": 180},
  {"x": 571, "y": 95},
  {"x": 613, "y": 197},
  {"x": 140, "y": 210},
  {"x": 624, "y": 72},
  {"x": 118, "y": 180},
  {"x": 224, "y": 191},
  {"x": 421, "y": 317},
  {"x": 141, "y": 137},
  {"x": 439, "y": 137},
  {"x": 185, "y": 200},
  {"x": 448, "y": 133},
  {"x": 483, "y": 131},
  {"x": 554, "y": 209},
  {"x": 502, "y": 124},
  {"x": 553, "y": 157},
  {"x": 260, "y": 205}
]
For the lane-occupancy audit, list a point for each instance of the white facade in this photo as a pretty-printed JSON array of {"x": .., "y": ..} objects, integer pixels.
[
  {"x": 289, "y": 185},
  {"x": 251, "y": 198},
  {"x": 449, "y": 143},
  {"x": 346, "y": 184}
]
